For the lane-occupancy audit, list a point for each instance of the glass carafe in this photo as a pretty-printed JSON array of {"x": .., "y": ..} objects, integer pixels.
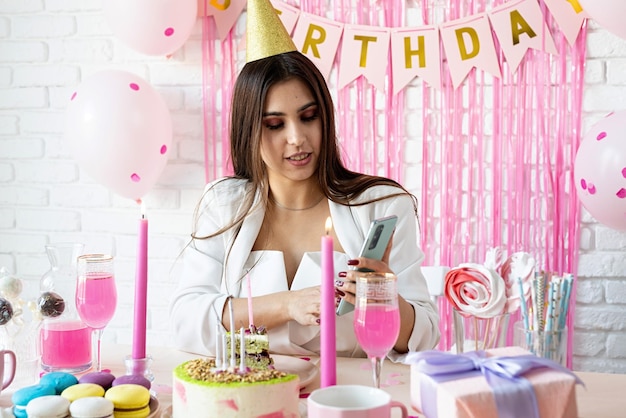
[{"x": 65, "y": 340}]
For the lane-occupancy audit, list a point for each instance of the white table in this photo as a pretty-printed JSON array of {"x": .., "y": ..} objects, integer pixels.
[{"x": 603, "y": 397}]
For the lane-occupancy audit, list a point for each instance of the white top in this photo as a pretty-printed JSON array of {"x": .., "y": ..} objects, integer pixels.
[{"x": 207, "y": 279}]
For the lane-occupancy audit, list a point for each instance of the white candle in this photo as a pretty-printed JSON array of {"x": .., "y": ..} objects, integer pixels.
[
  {"x": 242, "y": 351},
  {"x": 224, "y": 365},
  {"x": 218, "y": 349},
  {"x": 233, "y": 361}
]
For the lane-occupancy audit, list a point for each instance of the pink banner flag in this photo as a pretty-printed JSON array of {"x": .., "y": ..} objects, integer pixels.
[
  {"x": 569, "y": 15},
  {"x": 225, "y": 13},
  {"x": 287, "y": 14},
  {"x": 415, "y": 52},
  {"x": 468, "y": 43},
  {"x": 364, "y": 52},
  {"x": 318, "y": 38},
  {"x": 519, "y": 25}
]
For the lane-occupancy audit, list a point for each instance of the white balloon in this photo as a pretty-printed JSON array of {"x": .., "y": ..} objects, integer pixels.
[
  {"x": 152, "y": 27},
  {"x": 120, "y": 131}
]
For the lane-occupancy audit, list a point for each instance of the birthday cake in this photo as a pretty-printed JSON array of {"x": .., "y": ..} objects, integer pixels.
[{"x": 202, "y": 391}]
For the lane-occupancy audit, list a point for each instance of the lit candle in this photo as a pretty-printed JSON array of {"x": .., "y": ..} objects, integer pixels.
[
  {"x": 250, "y": 315},
  {"x": 233, "y": 361},
  {"x": 141, "y": 289},
  {"x": 242, "y": 350},
  {"x": 328, "y": 353}
]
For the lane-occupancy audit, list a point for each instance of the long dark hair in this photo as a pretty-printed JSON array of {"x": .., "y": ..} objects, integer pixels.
[{"x": 338, "y": 183}]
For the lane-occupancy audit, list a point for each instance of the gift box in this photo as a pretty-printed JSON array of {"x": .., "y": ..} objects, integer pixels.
[{"x": 502, "y": 382}]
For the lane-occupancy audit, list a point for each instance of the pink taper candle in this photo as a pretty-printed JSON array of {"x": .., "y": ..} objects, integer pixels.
[
  {"x": 141, "y": 289},
  {"x": 328, "y": 353},
  {"x": 250, "y": 314}
]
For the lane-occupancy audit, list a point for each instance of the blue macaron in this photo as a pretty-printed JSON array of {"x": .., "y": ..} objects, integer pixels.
[
  {"x": 22, "y": 396},
  {"x": 59, "y": 380}
]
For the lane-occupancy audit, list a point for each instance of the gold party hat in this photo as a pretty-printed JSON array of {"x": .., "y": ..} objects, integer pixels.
[{"x": 266, "y": 35}]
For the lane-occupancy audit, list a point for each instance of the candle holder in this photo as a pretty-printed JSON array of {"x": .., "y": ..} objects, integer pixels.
[{"x": 139, "y": 366}]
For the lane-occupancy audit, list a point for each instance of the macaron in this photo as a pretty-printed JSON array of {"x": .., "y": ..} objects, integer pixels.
[
  {"x": 82, "y": 390},
  {"x": 92, "y": 407},
  {"x": 49, "y": 406},
  {"x": 59, "y": 380},
  {"x": 135, "y": 379},
  {"x": 23, "y": 396},
  {"x": 104, "y": 379},
  {"x": 130, "y": 400}
]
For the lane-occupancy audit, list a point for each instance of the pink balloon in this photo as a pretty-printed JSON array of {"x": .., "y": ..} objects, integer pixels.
[
  {"x": 609, "y": 14},
  {"x": 152, "y": 27},
  {"x": 600, "y": 171},
  {"x": 120, "y": 131}
]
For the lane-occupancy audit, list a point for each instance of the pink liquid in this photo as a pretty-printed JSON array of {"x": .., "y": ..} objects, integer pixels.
[
  {"x": 65, "y": 345},
  {"x": 96, "y": 299},
  {"x": 377, "y": 328}
]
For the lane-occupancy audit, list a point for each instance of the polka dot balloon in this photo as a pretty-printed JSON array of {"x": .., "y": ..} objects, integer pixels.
[
  {"x": 120, "y": 131},
  {"x": 152, "y": 27},
  {"x": 600, "y": 171}
]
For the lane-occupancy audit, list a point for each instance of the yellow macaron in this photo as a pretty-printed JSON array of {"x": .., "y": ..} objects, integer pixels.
[
  {"x": 82, "y": 390},
  {"x": 130, "y": 400}
]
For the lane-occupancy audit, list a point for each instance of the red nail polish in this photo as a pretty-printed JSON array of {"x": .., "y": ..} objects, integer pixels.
[
  {"x": 342, "y": 274},
  {"x": 353, "y": 262}
]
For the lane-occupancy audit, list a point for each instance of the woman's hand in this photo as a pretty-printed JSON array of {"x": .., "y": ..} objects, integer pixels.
[
  {"x": 303, "y": 305},
  {"x": 346, "y": 287}
]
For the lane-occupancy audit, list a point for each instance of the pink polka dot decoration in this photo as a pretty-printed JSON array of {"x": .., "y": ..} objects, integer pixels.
[
  {"x": 152, "y": 27},
  {"x": 600, "y": 171},
  {"x": 119, "y": 130}
]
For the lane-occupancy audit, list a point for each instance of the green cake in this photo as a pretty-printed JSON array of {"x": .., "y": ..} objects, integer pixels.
[{"x": 257, "y": 347}]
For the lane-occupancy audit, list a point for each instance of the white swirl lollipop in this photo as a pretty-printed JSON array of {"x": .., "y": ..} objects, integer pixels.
[{"x": 475, "y": 290}]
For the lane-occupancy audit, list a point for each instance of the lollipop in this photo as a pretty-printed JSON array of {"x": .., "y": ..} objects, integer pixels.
[
  {"x": 10, "y": 287},
  {"x": 51, "y": 304},
  {"x": 6, "y": 311},
  {"x": 475, "y": 290},
  {"x": 518, "y": 265}
]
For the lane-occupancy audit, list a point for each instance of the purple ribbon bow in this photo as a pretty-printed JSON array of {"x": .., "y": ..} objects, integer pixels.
[{"x": 514, "y": 395}]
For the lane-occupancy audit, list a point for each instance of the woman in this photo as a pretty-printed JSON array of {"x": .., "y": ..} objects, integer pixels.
[{"x": 266, "y": 222}]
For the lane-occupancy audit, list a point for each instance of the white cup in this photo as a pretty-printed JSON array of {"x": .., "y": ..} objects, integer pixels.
[{"x": 351, "y": 401}]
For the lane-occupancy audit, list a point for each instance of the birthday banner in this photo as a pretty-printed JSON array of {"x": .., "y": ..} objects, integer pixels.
[{"x": 467, "y": 43}]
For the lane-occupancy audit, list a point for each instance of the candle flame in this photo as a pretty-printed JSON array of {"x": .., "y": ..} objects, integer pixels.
[
  {"x": 329, "y": 225},
  {"x": 143, "y": 209}
]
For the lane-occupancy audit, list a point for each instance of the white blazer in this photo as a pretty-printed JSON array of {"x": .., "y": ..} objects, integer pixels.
[{"x": 207, "y": 279}]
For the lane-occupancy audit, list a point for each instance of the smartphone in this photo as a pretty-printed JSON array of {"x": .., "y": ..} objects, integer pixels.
[{"x": 374, "y": 247}]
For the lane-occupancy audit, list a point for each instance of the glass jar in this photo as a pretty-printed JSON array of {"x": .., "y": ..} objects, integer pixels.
[{"x": 65, "y": 340}]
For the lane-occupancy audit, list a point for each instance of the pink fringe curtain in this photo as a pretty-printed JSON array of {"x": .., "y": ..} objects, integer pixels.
[{"x": 496, "y": 153}]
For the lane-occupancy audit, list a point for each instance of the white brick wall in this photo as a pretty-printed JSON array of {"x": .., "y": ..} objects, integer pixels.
[{"x": 48, "y": 46}]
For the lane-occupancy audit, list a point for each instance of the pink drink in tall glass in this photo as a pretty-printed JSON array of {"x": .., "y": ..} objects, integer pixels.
[
  {"x": 68, "y": 346},
  {"x": 376, "y": 327},
  {"x": 96, "y": 299}
]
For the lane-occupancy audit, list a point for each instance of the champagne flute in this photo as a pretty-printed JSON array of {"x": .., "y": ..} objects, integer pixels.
[
  {"x": 96, "y": 294},
  {"x": 376, "y": 317}
]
